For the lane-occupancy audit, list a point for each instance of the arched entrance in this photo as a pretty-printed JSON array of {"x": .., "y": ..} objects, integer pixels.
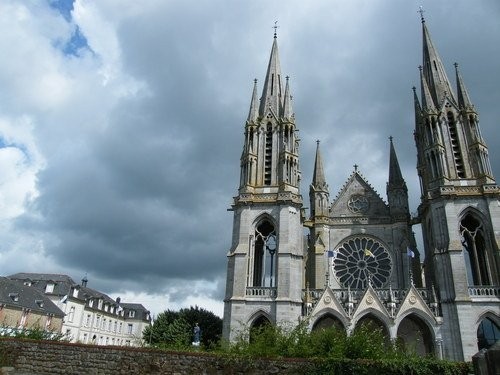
[
  {"x": 415, "y": 336},
  {"x": 328, "y": 321},
  {"x": 257, "y": 326},
  {"x": 372, "y": 323},
  {"x": 488, "y": 333}
]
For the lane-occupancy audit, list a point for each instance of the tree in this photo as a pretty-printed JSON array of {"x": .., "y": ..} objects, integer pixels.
[
  {"x": 210, "y": 324},
  {"x": 174, "y": 329}
]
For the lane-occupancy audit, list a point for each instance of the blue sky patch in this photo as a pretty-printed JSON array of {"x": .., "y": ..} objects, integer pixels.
[{"x": 64, "y": 7}]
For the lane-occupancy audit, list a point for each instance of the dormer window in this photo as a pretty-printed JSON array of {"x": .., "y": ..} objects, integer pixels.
[
  {"x": 75, "y": 292},
  {"x": 39, "y": 302},
  {"x": 14, "y": 297},
  {"x": 106, "y": 306},
  {"x": 49, "y": 288},
  {"x": 131, "y": 314},
  {"x": 99, "y": 304},
  {"x": 91, "y": 302}
]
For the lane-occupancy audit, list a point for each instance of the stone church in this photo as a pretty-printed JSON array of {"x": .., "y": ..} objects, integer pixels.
[{"x": 352, "y": 259}]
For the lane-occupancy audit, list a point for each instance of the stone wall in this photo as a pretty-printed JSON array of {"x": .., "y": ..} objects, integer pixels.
[{"x": 42, "y": 357}]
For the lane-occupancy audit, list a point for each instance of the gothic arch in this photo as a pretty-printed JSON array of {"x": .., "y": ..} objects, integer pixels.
[
  {"x": 487, "y": 330},
  {"x": 479, "y": 250},
  {"x": 328, "y": 318},
  {"x": 258, "y": 317},
  {"x": 259, "y": 321},
  {"x": 263, "y": 247},
  {"x": 373, "y": 319},
  {"x": 415, "y": 334}
]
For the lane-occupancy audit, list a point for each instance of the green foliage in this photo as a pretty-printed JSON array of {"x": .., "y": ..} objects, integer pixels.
[
  {"x": 174, "y": 329},
  {"x": 366, "y": 351},
  {"x": 33, "y": 333}
]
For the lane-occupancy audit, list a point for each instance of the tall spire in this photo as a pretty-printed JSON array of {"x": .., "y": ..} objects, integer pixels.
[
  {"x": 287, "y": 105},
  {"x": 463, "y": 96},
  {"x": 319, "y": 181},
  {"x": 395, "y": 175},
  {"x": 271, "y": 93},
  {"x": 253, "y": 113},
  {"x": 433, "y": 70}
]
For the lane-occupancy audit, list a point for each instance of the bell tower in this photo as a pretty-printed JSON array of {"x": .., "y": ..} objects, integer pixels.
[
  {"x": 265, "y": 263},
  {"x": 459, "y": 210}
]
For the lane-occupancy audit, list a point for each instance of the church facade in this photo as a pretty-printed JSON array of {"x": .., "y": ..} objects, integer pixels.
[{"x": 352, "y": 260}]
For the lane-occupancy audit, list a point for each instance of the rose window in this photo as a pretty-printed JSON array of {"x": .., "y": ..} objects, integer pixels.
[
  {"x": 359, "y": 259},
  {"x": 358, "y": 204}
]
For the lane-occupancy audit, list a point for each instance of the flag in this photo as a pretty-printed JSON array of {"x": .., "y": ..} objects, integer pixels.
[
  {"x": 332, "y": 254},
  {"x": 410, "y": 253},
  {"x": 368, "y": 253}
]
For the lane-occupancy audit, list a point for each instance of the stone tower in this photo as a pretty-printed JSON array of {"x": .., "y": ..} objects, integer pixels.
[
  {"x": 265, "y": 262},
  {"x": 460, "y": 207}
]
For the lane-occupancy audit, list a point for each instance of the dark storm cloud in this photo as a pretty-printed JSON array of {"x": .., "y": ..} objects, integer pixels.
[{"x": 136, "y": 186}]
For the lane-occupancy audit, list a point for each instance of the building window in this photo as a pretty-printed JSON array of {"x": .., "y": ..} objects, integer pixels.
[
  {"x": 103, "y": 324},
  {"x": 91, "y": 303},
  {"x": 120, "y": 328},
  {"x": 48, "y": 322},
  {"x": 49, "y": 288},
  {"x": 479, "y": 260},
  {"x": 87, "y": 321},
  {"x": 71, "y": 314},
  {"x": 131, "y": 314},
  {"x": 265, "y": 247},
  {"x": 129, "y": 329},
  {"x": 99, "y": 304},
  {"x": 116, "y": 324},
  {"x": 24, "y": 318},
  {"x": 97, "y": 321},
  {"x": 85, "y": 338}
]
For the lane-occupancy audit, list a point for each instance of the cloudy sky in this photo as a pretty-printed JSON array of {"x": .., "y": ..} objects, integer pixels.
[{"x": 121, "y": 122}]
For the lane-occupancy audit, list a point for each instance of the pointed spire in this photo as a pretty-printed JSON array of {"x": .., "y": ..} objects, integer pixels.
[
  {"x": 463, "y": 96},
  {"x": 395, "y": 176},
  {"x": 287, "y": 105},
  {"x": 253, "y": 113},
  {"x": 271, "y": 93},
  {"x": 319, "y": 181},
  {"x": 427, "y": 101},
  {"x": 433, "y": 70}
]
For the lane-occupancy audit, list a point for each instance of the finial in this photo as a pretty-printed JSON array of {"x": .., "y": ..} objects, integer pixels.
[
  {"x": 255, "y": 81},
  {"x": 421, "y": 11},
  {"x": 420, "y": 67},
  {"x": 390, "y": 138},
  {"x": 356, "y": 167},
  {"x": 317, "y": 142},
  {"x": 287, "y": 78},
  {"x": 275, "y": 27},
  {"x": 414, "y": 89}
]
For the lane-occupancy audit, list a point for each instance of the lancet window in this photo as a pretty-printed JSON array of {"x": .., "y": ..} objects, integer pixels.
[{"x": 264, "y": 262}]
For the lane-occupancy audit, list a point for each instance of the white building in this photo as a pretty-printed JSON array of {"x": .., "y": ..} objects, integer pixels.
[{"x": 91, "y": 317}]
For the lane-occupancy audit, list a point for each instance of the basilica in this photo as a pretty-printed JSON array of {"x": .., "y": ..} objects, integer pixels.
[{"x": 352, "y": 259}]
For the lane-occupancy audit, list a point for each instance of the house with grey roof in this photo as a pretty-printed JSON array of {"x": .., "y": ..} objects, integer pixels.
[
  {"x": 91, "y": 316},
  {"x": 25, "y": 307}
]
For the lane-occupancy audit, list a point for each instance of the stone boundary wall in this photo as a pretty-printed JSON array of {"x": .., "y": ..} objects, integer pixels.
[{"x": 49, "y": 357}]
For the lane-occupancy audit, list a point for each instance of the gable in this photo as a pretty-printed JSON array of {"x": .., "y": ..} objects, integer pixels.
[{"x": 358, "y": 199}]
